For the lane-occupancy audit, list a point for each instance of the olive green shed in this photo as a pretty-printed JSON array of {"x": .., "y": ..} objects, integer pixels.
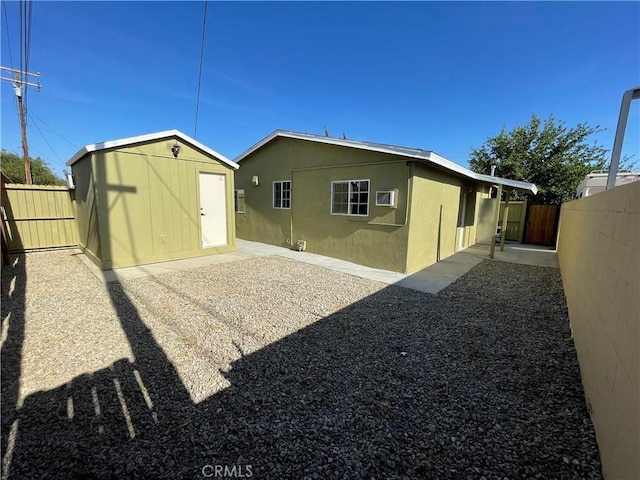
[
  {"x": 382, "y": 206},
  {"x": 152, "y": 198}
]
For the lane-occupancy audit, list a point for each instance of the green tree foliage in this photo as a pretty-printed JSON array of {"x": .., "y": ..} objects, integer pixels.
[
  {"x": 554, "y": 157},
  {"x": 12, "y": 166}
]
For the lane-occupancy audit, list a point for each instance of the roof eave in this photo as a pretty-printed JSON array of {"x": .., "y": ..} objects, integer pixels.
[
  {"x": 424, "y": 156},
  {"x": 146, "y": 138},
  {"x": 517, "y": 185}
]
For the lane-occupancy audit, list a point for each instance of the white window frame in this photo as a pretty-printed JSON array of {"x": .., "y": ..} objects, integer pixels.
[
  {"x": 392, "y": 193},
  {"x": 350, "y": 193},
  {"x": 237, "y": 194},
  {"x": 281, "y": 198}
]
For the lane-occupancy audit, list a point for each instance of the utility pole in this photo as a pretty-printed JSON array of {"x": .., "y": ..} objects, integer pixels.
[{"x": 18, "y": 84}]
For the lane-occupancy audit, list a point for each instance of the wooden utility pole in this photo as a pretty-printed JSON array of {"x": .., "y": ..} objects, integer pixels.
[{"x": 18, "y": 84}]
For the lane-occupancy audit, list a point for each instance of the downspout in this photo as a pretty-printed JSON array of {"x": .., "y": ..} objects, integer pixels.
[
  {"x": 505, "y": 220},
  {"x": 291, "y": 206},
  {"x": 462, "y": 219},
  {"x": 495, "y": 223}
]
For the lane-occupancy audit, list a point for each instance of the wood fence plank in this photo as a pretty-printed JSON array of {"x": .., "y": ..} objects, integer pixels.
[{"x": 39, "y": 216}]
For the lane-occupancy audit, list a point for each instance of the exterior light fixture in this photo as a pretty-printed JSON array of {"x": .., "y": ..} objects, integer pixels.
[{"x": 175, "y": 150}]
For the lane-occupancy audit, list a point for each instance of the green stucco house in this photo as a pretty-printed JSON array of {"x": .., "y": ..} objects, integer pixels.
[
  {"x": 382, "y": 206},
  {"x": 152, "y": 198}
]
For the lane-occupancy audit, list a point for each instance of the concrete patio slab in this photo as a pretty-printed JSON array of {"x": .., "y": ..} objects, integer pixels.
[{"x": 431, "y": 279}]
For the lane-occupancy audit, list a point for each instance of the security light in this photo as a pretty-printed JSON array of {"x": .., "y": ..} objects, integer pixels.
[{"x": 175, "y": 150}]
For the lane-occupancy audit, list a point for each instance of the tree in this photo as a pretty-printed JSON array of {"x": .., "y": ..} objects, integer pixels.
[
  {"x": 554, "y": 157},
  {"x": 12, "y": 166}
]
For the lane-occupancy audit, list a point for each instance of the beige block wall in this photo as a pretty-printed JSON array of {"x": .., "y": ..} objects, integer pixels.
[{"x": 598, "y": 251}]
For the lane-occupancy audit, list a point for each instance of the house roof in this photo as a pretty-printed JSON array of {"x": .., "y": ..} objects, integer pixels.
[
  {"x": 415, "y": 153},
  {"x": 147, "y": 138}
]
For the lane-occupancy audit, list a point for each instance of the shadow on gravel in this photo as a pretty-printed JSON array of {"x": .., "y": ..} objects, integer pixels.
[
  {"x": 399, "y": 385},
  {"x": 14, "y": 280}
]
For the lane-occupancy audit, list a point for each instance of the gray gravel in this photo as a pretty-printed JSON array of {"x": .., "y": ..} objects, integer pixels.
[{"x": 272, "y": 368}]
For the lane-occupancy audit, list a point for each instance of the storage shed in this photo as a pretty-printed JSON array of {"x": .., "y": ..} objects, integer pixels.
[{"x": 152, "y": 198}]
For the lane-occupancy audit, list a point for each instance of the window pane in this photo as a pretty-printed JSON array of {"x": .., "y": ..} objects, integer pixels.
[
  {"x": 277, "y": 194},
  {"x": 340, "y": 203}
]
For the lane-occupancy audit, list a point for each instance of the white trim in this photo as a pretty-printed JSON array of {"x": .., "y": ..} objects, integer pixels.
[
  {"x": 413, "y": 153},
  {"x": 147, "y": 138},
  {"x": 348, "y": 182},
  {"x": 273, "y": 193}
]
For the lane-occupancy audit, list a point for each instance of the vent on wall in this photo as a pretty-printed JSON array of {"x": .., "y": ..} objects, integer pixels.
[
  {"x": 386, "y": 198},
  {"x": 71, "y": 181}
]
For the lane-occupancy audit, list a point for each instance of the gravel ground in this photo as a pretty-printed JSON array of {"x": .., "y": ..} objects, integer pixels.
[{"x": 270, "y": 368}]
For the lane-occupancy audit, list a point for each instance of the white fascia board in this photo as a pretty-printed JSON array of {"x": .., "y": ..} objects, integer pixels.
[
  {"x": 425, "y": 156},
  {"x": 257, "y": 145},
  {"x": 328, "y": 140},
  {"x": 507, "y": 182},
  {"x": 147, "y": 138}
]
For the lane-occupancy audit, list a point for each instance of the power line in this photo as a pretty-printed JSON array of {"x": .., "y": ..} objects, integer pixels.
[
  {"x": 75, "y": 144},
  {"x": 45, "y": 139},
  {"x": 204, "y": 26},
  {"x": 6, "y": 26}
]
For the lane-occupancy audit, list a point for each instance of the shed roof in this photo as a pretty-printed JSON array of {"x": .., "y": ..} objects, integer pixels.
[
  {"x": 415, "y": 153},
  {"x": 147, "y": 138}
]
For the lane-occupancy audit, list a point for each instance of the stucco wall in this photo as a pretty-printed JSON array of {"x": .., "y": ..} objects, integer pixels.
[
  {"x": 598, "y": 252},
  {"x": 377, "y": 240},
  {"x": 435, "y": 212}
]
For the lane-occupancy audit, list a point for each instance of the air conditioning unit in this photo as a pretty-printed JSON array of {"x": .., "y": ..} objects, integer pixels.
[
  {"x": 386, "y": 198},
  {"x": 301, "y": 245}
]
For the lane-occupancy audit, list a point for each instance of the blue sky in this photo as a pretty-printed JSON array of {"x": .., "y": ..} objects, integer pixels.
[{"x": 443, "y": 76}]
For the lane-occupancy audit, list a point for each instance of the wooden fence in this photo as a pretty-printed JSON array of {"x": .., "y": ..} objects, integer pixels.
[
  {"x": 515, "y": 222},
  {"x": 38, "y": 217}
]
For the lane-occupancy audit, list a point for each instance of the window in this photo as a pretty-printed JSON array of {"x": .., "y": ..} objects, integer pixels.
[
  {"x": 350, "y": 197},
  {"x": 238, "y": 197},
  {"x": 282, "y": 194},
  {"x": 386, "y": 198}
]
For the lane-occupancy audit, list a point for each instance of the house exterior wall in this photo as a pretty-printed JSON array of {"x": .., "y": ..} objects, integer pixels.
[
  {"x": 141, "y": 205},
  {"x": 599, "y": 257},
  {"x": 434, "y": 218},
  {"x": 486, "y": 220},
  {"x": 377, "y": 240},
  {"x": 403, "y": 238},
  {"x": 467, "y": 230}
]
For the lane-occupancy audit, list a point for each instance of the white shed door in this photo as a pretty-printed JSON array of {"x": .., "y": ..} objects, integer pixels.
[{"x": 213, "y": 210}]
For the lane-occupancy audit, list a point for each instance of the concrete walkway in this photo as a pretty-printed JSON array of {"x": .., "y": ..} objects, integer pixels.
[{"x": 431, "y": 279}]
